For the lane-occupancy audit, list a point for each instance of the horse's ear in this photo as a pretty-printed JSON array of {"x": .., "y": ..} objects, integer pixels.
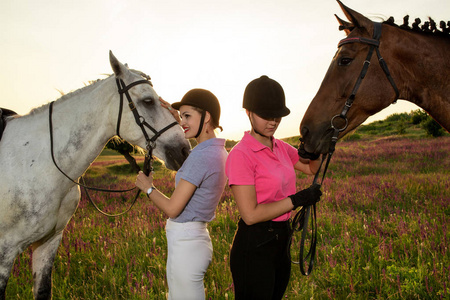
[
  {"x": 118, "y": 68},
  {"x": 357, "y": 19},
  {"x": 346, "y": 26}
]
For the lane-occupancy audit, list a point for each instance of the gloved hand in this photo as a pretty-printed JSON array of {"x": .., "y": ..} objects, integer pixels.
[
  {"x": 307, "y": 196},
  {"x": 307, "y": 155}
]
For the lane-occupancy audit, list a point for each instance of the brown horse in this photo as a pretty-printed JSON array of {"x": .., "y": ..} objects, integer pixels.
[{"x": 416, "y": 67}]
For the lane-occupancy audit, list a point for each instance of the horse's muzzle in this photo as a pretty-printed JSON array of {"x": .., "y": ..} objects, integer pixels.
[{"x": 175, "y": 157}]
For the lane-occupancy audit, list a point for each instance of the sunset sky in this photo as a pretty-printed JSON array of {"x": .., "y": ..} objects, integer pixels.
[{"x": 51, "y": 46}]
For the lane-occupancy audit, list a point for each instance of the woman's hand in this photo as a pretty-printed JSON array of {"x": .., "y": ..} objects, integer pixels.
[
  {"x": 307, "y": 196},
  {"x": 144, "y": 182},
  {"x": 173, "y": 111}
]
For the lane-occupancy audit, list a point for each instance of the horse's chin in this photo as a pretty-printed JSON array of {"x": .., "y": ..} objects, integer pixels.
[
  {"x": 321, "y": 148},
  {"x": 172, "y": 165}
]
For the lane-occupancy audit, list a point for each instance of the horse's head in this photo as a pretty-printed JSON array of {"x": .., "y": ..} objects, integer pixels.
[
  {"x": 168, "y": 141},
  {"x": 373, "y": 94}
]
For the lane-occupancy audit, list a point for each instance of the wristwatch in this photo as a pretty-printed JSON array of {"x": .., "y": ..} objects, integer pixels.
[{"x": 150, "y": 190}]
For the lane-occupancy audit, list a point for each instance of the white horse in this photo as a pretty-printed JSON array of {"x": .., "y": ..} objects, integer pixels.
[{"x": 36, "y": 200}]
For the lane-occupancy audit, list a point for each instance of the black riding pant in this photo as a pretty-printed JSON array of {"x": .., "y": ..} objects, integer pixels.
[{"x": 259, "y": 260}]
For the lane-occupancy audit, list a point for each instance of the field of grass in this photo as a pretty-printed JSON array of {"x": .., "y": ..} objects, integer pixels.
[{"x": 383, "y": 232}]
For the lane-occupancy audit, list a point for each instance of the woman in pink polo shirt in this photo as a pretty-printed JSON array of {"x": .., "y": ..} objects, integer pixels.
[{"x": 261, "y": 174}]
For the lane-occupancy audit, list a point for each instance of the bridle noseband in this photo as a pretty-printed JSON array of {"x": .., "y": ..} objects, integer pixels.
[
  {"x": 301, "y": 219},
  {"x": 140, "y": 121}
]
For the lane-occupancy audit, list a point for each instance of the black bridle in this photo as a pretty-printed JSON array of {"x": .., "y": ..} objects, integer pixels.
[
  {"x": 374, "y": 44},
  {"x": 301, "y": 219},
  {"x": 140, "y": 121}
]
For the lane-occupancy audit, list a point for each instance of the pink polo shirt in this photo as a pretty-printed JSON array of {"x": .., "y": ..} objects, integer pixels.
[{"x": 271, "y": 172}]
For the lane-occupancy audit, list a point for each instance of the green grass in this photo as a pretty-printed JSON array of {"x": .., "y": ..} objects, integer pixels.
[{"x": 383, "y": 233}]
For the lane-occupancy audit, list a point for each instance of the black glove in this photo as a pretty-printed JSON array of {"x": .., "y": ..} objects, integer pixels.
[
  {"x": 307, "y": 155},
  {"x": 307, "y": 196}
]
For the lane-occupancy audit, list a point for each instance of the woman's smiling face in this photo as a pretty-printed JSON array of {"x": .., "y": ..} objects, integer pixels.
[{"x": 190, "y": 120}]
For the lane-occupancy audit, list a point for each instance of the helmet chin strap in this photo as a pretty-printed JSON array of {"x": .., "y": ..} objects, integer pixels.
[
  {"x": 200, "y": 128},
  {"x": 254, "y": 129}
]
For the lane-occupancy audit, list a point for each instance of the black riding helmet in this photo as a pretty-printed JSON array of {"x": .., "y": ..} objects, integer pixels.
[
  {"x": 265, "y": 97},
  {"x": 204, "y": 100}
]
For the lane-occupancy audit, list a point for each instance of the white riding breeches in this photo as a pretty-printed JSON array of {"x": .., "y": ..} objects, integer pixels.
[{"x": 189, "y": 253}]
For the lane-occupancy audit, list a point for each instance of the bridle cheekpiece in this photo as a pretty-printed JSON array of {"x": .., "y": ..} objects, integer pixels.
[
  {"x": 374, "y": 44},
  {"x": 140, "y": 121}
]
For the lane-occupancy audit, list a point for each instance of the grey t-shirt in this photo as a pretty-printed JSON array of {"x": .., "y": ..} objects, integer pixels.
[{"x": 204, "y": 168}]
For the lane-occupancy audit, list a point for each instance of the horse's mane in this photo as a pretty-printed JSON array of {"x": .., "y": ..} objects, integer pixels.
[
  {"x": 91, "y": 84},
  {"x": 429, "y": 27}
]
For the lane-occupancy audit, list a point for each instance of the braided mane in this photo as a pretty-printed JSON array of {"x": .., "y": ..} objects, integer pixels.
[{"x": 429, "y": 27}]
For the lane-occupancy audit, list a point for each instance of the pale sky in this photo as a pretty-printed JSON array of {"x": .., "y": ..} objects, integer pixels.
[{"x": 51, "y": 46}]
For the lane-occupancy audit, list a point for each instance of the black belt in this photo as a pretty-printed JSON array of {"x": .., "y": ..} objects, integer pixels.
[{"x": 267, "y": 224}]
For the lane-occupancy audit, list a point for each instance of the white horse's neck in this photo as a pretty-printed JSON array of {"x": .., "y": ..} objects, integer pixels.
[{"x": 83, "y": 122}]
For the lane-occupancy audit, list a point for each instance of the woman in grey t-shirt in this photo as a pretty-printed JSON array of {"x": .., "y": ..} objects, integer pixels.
[{"x": 198, "y": 187}]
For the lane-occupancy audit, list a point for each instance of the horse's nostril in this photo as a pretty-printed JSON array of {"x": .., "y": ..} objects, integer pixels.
[
  {"x": 176, "y": 156},
  {"x": 185, "y": 152},
  {"x": 303, "y": 132}
]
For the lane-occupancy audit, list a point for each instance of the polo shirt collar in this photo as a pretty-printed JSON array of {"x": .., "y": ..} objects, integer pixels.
[
  {"x": 210, "y": 142},
  {"x": 255, "y": 145}
]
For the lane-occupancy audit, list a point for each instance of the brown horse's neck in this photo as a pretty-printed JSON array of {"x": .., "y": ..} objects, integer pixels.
[{"x": 422, "y": 72}]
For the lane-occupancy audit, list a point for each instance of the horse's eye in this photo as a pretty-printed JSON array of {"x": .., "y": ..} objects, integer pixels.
[
  {"x": 345, "y": 61},
  {"x": 148, "y": 101}
]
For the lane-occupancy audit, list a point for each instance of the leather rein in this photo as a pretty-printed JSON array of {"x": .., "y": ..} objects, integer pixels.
[
  {"x": 140, "y": 121},
  {"x": 301, "y": 219}
]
